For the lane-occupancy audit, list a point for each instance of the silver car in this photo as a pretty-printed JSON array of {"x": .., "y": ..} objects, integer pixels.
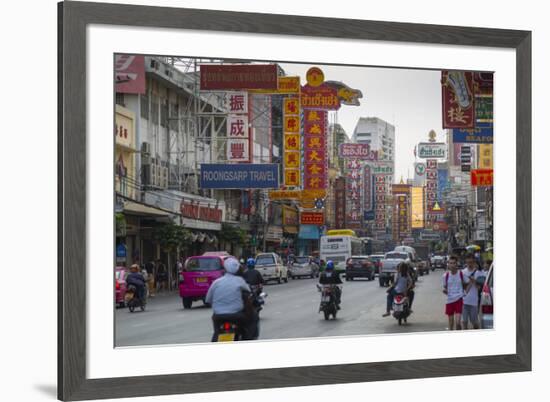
[{"x": 302, "y": 267}]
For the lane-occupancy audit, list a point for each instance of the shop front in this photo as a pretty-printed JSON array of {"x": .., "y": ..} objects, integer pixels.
[
  {"x": 308, "y": 240},
  {"x": 290, "y": 230}
]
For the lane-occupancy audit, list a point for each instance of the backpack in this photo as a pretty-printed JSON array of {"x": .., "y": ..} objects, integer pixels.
[{"x": 447, "y": 279}]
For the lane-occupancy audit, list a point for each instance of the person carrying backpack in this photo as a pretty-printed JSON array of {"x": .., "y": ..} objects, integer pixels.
[{"x": 453, "y": 287}]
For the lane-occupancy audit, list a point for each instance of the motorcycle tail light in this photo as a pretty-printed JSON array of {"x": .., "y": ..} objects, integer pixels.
[
  {"x": 227, "y": 326},
  {"x": 398, "y": 299}
]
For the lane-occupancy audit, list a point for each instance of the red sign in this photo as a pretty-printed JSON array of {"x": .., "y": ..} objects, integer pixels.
[
  {"x": 195, "y": 211},
  {"x": 340, "y": 203},
  {"x": 322, "y": 97},
  {"x": 315, "y": 150},
  {"x": 481, "y": 177},
  {"x": 238, "y": 76},
  {"x": 441, "y": 226},
  {"x": 130, "y": 74},
  {"x": 312, "y": 218},
  {"x": 458, "y": 99},
  {"x": 358, "y": 151}
]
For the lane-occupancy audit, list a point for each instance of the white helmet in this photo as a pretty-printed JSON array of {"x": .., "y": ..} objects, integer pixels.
[{"x": 231, "y": 265}]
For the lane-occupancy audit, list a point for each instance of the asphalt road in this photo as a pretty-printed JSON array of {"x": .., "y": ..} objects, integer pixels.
[{"x": 291, "y": 311}]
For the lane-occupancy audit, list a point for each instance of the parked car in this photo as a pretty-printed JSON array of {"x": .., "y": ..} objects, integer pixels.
[
  {"x": 486, "y": 302},
  {"x": 271, "y": 266},
  {"x": 377, "y": 261},
  {"x": 360, "y": 266},
  {"x": 197, "y": 276},
  {"x": 303, "y": 266},
  {"x": 120, "y": 286},
  {"x": 389, "y": 265}
]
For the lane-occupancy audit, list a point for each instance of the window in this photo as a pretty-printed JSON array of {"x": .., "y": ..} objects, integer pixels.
[
  {"x": 203, "y": 264},
  {"x": 265, "y": 260},
  {"x": 119, "y": 99},
  {"x": 144, "y": 106},
  {"x": 164, "y": 114}
]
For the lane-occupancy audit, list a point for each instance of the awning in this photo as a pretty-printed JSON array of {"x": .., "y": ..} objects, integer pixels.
[
  {"x": 308, "y": 232},
  {"x": 133, "y": 208}
]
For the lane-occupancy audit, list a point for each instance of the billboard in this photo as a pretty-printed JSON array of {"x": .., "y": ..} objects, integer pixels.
[
  {"x": 321, "y": 97},
  {"x": 485, "y": 156},
  {"x": 417, "y": 208},
  {"x": 292, "y": 142},
  {"x": 358, "y": 151},
  {"x": 481, "y": 134},
  {"x": 129, "y": 74},
  {"x": 239, "y": 176},
  {"x": 315, "y": 149},
  {"x": 238, "y": 76},
  {"x": 340, "y": 202},
  {"x": 312, "y": 218},
  {"x": 481, "y": 177},
  {"x": 457, "y": 89},
  {"x": 367, "y": 189},
  {"x": 432, "y": 150}
]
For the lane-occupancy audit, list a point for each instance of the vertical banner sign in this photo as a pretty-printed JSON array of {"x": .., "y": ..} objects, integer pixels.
[
  {"x": 315, "y": 149},
  {"x": 292, "y": 142},
  {"x": 442, "y": 183},
  {"x": 367, "y": 189},
  {"x": 380, "y": 202},
  {"x": 402, "y": 220},
  {"x": 431, "y": 183},
  {"x": 238, "y": 144},
  {"x": 457, "y": 88},
  {"x": 485, "y": 156},
  {"x": 417, "y": 208},
  {"x": 353, "y": 176},
  {"x": 340, "y": 202},
  {"x": 465, "y": 158}
]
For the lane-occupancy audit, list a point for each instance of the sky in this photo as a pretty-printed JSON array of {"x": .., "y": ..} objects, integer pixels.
[{"x": 408, "y": 99}]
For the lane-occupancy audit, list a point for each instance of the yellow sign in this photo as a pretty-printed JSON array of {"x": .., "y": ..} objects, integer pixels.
[
  {"x": 315, "y": 76},
  {"x": 313, "y": 194},
  {"x": 341, "y": 232},
  {"x": 417, "y": 207},
  {"x": 292, "y": 159},
  {"x": 292, "y": 124},
  {"x": 291, "y": 106},
  {"x": 485, "y": 156},
  {"x": 285, "y": 194},
  {"x": 292, "y": 177},
  {"x": 286, "y": 85},
  {"x": 292, "y": 142}
]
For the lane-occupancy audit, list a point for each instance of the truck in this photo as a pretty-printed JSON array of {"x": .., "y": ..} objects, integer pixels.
[
  {"x": 423, "y": 255},
  {"x": 389, "y": 266}
]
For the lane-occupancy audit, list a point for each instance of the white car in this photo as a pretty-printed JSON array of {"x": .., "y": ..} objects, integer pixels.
[{"x": 271, "y": 266}]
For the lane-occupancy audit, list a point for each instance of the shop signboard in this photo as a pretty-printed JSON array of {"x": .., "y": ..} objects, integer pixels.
[
  {"x": 238, "y": 76},
  {"x": 482, "y": 133},
  {"x": 458, "y": 106},
  {"x": 312, "y": 218},
  {"x": 239, "y": 176}
]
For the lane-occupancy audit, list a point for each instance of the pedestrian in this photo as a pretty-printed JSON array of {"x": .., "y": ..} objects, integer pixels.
[
  {"x": 150, "y": 268},
  {"x": 162, "y": 276},
  {"x": 453, "y": 287},
  {"x": 403, "y": 284},
  {"x": 471, "y": 300}
]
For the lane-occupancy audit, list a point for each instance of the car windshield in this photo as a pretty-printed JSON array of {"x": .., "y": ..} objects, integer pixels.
[
  {"x": 301, "y": 260},
  {"x": 265, "y": 260},
  {"x": 203, "y": 264},
  {"x": 396, "y": 256}
]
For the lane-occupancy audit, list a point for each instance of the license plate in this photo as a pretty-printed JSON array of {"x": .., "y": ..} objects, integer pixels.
[
  {"x": 398, "y": 307},
  {"x": 226, "y": 337},
  {"x": 201, "y": 280},
  {"x": 325, "y": 299}
]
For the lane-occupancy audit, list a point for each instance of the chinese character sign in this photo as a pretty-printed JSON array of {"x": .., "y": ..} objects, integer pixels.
[
  {"x": 236, "y": 102},
  {"x": 367, "y": 189},
  {"x": 237, "y": 138},
  {"x": 292, "y": 142},
  {"x": 340, "y": 202},
  {"x": 380, "y": 202},
  {"x": 315, "y": 149},
  {"x": 458, "y": 99}
]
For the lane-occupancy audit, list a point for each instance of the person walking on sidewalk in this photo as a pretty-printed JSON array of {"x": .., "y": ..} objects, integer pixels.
[
  {"x": 471, "y": 275},
  {"x": 453, "y": 287}
]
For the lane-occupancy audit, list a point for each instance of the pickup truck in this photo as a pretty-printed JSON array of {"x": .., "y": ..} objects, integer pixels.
[{"x": 389, "y": 266}]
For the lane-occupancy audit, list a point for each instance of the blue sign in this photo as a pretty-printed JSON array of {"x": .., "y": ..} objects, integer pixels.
[
  {"x": 121, "y": 251},
  {"x": 369, "y": 215},
  {"x": 239, "y": 176},
  {"x": 442, "y": 182},
  {"x": 481, "y": 134}
]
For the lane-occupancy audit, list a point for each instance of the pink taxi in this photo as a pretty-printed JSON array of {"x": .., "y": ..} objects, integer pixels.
[{"x": 198, "y": 274}]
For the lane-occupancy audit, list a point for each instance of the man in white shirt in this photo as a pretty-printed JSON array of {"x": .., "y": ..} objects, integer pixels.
[
  {"x": 471, "y": 299},
  {"x": 453, "y": 287}
]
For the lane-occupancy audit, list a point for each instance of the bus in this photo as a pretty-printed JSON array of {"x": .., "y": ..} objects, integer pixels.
[
  {"x": 373, "y": 246},
  {"x": 339, "y": 245}
]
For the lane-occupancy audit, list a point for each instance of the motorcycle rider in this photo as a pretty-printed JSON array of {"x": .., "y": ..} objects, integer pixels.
[
  {"x": 226, "y": 298},
  {"x": 402, "y": 284},
  {"x": 252, "y": 276},
  {"x": 330, "y": 277},
  {"x": 136, "y": 278}
]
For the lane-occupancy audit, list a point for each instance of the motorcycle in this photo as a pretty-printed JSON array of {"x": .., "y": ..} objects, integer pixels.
[
  {"x": 328, "y": 300},
  {"x": 401, "y": 309},
  {"x": 133, "y": 300},
  {"x": 258, "y": 297}
]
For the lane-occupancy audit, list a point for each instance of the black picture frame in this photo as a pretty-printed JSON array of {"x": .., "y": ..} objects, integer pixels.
[{"x": 73, "y": 18}]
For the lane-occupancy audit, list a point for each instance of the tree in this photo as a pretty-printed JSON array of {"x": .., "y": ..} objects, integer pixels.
[
  {"x": 171, "y": 237},
  {"x": 233, "y": 234}
]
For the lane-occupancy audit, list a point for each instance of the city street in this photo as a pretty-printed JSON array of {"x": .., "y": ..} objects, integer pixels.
[{"x": 290, "y": 312}]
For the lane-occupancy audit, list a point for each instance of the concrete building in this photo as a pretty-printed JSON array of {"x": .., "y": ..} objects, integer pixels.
[{"x": 378, "y": 133}]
